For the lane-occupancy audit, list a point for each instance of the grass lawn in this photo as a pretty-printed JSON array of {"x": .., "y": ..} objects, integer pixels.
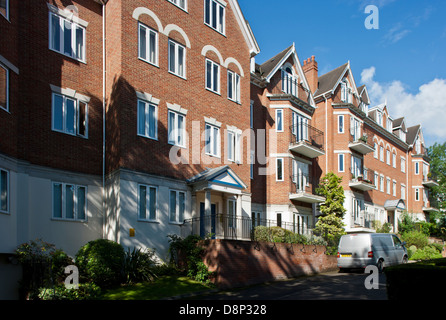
[{"x": 163, "y": 287}]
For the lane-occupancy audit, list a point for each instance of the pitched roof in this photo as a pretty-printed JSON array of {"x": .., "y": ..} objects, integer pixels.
[
  {"x": 362, "y": 90},
  {"x": 398, "y": 122},
  {"x": 329, "y": 80},
  {"x": 412, "y": 133},
  {"x": 267, "y": 67}
]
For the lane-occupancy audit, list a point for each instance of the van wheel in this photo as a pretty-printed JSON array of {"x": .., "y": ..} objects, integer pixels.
[
  {"x": 380, "y": 265},
  {"x": 405, "y": 260}
]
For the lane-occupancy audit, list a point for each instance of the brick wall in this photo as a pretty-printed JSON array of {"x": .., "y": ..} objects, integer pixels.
[{"x": 239, "y": 263}]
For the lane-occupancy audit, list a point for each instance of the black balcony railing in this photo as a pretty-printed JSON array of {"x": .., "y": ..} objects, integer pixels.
[
  {"x": 363, "y": 174},
  {"x": 224, "y": 226},
  {"x": 303, "y": 133}
]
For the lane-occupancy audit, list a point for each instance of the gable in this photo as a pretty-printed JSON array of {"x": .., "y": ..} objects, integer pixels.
[
  {"x": 226, "y": 178},
  {"x": 250, "y": 40}
]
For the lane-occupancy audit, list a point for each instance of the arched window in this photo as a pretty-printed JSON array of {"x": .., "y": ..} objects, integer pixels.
[{"x": 289, "y": 81}]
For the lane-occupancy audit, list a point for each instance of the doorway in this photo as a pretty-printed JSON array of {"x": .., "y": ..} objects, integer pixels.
[{"x": 207, "y": 224}]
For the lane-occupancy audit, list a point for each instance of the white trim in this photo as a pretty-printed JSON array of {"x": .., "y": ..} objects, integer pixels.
[
  {"x": 69, "y": 15},
  {"x": 281, "y": 119},
  {"x": 284, "y": 106},
  {"x": 147, "y": 219},
  {"x": 282, "y": 171},
  {"x": 147, "y": 97},
  {"x": 212, "y": 122},
  {"x": 177, "y": 108}
]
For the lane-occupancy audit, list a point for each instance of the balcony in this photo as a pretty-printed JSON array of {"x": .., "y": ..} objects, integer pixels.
[
  {"x": 307, "y": 140},
  {"x": 360, "y": 142},
  {"x": 363, "y": 180},
  {"x": 288, "y": 88},
  {"x": 303, "y": 188},
  {"x": 430, "y": 181}
]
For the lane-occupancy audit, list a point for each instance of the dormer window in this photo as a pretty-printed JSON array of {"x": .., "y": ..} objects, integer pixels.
[
  {"x": 346, "y": 91},
  {"x": 289, "y": 81},
  {"x": 379, "y": 118},
  {"x": 389, "y": 125}
]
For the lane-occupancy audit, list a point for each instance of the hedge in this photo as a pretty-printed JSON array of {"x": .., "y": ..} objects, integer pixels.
[{"x": 421, "y": 280}]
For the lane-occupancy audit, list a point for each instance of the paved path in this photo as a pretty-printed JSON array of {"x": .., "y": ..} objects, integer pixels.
[{"x": 325, "y": 286}]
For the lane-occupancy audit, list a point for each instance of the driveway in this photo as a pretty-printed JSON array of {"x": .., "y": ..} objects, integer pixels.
[{"x": 325, "y": 286}]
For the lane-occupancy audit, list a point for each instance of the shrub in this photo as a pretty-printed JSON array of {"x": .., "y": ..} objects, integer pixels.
[
  {"x": 411, "y": 250},
  {"x": 86, "y": 291},
  {"x": 262, "y": 234},
  {"x": 437, "y": 246},
  {"x": 415, "y": 238},
  {"x": 101, "y": 262},
  {"x": 139, "y": 265},
  {"x": 427, "y": 253}
]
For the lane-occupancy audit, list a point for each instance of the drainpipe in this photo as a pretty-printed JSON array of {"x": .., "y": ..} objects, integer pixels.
[
  {"x": 326, "y": 135},
  {"x": 104, "y": 72}
]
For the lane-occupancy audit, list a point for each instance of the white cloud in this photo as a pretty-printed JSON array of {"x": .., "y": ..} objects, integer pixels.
[{"x": 426, "y": 107}]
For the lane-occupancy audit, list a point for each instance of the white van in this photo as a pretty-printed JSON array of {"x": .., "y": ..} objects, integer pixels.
[{"x": 379, "y": 249}]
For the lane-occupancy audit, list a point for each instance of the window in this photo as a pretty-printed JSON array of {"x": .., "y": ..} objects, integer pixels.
[
  {"x": 212, "y": 76},
  {"x": 212, "y": 140},
  {"x": 346, "y": 91},
  {"x": 381, "y": 180},
  {"x": 376, "y": 181},
  {"x": 394, "y": 188},
  {"x": 177, "y": 59},
  {"x": 67, "y": 37},
  {"x": 381, "y": 153},
  {"x": 341, "y": 162},
  {"x": 355, "y": 128},
  {"x": 147, "y": 44},
  {"x": 4, "y": 191},
  {"x": 388, "y": 185},
  {"x": 4, "y": 8},
  {"x": 279, "y": 120},
  {"x": 403, "y": 164},
  {"x": 356, "y": 167},
  {"x": 4, "y": 88},
  {"x": 147, "y": 119},
  {"x": 388, "y": 157},
  {"x": 179, "y": 3},
  {"x": 394, "y": 160},
  {"x": 341, "y": 124},
  {"x": 232, "y": 213},
  {"x": 69, "y": 202},
  {"x": 177, "y": 206},
  {"x": 279, "y": 169},
  {"x": 147, "y": 203},
  {"x": 417, "y": 168},
  {"x": 233, "y": 86},
  {"x": 403, "y": 192},
  {"x": 300, "y": 175},
  {"x": 234, "y": 153},
  {"x": 300, "y": 127},
  {"x": 70, "y": 115},
  {"x": 214, "y": 15},
  {"x": 376, "y": 151},
  {"x": 417, "y": 194},
  {"x": 176, "y": 129},
  {"x": 289, "y": 82},
  {"x": 389, "y": 125},
  {"x": 379, "y": 118}
]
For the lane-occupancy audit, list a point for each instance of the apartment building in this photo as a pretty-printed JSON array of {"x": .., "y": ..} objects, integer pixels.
[
  {"x": 283, "y": 107},
  {"x": 383, "y": 164},
  {"x": 122, "y": 119}
]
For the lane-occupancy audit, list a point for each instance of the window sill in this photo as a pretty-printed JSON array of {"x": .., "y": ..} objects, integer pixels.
[
  {"x": 149, "y": 221},
  {"x": 177, "y": 75},
  {"x": 148, "y": 62}
]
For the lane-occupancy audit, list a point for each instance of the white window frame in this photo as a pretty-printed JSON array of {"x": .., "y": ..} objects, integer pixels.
[
  {"x": 234, "y": 145},
  {"x": 6, "y": 106},
  {"x": 388, "y": 186},
  {"x": 403, "y": 164},
  {"x": 147, "y": 123},
  {"x": 417, "y": 168},
  {"x": 174, "y": 68},
  {"x": 232, "y": 216},
  {"x": 4, "y": 198},
  {"x": 388, "y": 156},
  {"x": 381, "y": 153},
  {"x": 214, "y": 67},
  {"x": 279, "y": 175},
  {"x": 148, "y": 45},
  {"x": 76, "y": 115},
  {"x": 376, "y": 177},
  {"x": 149, "y": 216},
  {"x": 394, "y": 188},
  {"x": 75, "y": 54},
  {"x": 394, "y": 160},
  {"x": 341, "y": 162},
  {"x": 6, "y": 15},
  {"x": 403, "y": 192},
  {"x": 234, "y": 86},
  {"x": 376, "y": 151},
  {"x": 381, "y": 183},
  {"x": 176, "y": 135},
  {"x": 212, "y": 133},
  {"x": 417, "y": 194},
  {"x": 75, "y": 202},
  {"x": 341, "y": 121},
  {"x": 279, "y": 120},
  {"x": 179, "y": 5},
  {"x": 217, "y": 23},
  {"x": 178, "y": 213}
]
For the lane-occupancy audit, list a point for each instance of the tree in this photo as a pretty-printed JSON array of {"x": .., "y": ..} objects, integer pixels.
[
  {"x": 330, "y": 224},
  {"x": 437, "y": 155}
]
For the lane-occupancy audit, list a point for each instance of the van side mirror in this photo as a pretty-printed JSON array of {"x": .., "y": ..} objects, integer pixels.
[{"x": 404, "y": 243}]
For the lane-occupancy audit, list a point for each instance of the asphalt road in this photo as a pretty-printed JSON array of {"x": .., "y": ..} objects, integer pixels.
[{"x": 325, "y": 286}]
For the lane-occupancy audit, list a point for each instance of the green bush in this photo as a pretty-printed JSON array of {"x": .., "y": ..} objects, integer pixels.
[
  {"x": 411, "y": 250},
  {"x": 427, "y": 253},
  {"x": 415, "y": 238},
  {"x": 437, "y": 246},
  {"x": 139, "y": 265},
  {"x": 86, "y": 291},
  {"x": 101, "y": 262}
]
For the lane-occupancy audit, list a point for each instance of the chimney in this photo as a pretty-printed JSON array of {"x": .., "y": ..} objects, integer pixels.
[{"x": 311, "y": 73}]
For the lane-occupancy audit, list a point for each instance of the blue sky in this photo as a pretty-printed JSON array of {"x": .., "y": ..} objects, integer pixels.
[{"x": 403, "y": 62}]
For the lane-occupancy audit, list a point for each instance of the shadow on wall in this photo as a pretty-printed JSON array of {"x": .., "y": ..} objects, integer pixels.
[{"x": 239, "y": 263}]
